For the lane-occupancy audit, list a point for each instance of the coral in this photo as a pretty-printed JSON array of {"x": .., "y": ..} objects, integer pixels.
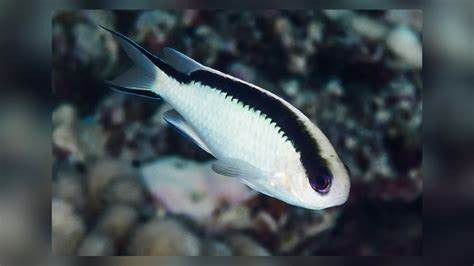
[
  {"x": 68, "y": 228},
  {"x": 164, "y": 237}
]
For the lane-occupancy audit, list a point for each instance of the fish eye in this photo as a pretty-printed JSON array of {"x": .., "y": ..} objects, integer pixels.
[{"x": 321, "y": 183}]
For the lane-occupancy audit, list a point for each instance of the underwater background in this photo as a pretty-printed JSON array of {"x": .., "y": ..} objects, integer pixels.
[{"x": 124, "y": 183}]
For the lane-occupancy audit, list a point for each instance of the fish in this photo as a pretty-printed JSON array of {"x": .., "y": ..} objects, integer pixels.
[{"x": 254, "y": 135}]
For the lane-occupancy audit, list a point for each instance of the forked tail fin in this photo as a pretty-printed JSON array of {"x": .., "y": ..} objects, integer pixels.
[{"x": 141, "y": 79}]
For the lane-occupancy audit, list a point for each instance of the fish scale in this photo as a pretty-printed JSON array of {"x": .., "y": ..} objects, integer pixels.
[{"x": 220, "y": 122}]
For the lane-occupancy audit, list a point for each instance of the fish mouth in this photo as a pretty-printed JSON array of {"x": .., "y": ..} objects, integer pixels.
[
  {"x": 334, "y": 203},
  {"x": 339, "y": 201}
]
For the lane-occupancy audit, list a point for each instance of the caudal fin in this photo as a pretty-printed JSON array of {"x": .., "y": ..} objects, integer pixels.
[{"x": 140, "y": 79}]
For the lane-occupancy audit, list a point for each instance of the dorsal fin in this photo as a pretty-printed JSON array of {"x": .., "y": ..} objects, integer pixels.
[{"x": 180, "y": 62}]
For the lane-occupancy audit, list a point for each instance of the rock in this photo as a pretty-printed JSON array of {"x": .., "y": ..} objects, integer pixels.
[
  {"x": 282, "y": 28},
  {"x": 101, "y": 174},
  {"x": 193, "y": 189},
  {"x": 405, "y": 44},
  {"x": 264, "y": 223},
  {"x": 380, "y": 167},
  {"x": 335, "y": 14},
  {"x": 153, "y": 27},
  {"x": 314, "y": 227},
  {"x": 323, "y": 223},
  {"x": 74, "y": 138},
  {"x": 96, "y": 245},
  {"x": 368, "y": 28},
  {"x": 98, "y": 17},
  {"x": 110, "y": 113},
  {"x": 315, "y": 31},
  {"x": 94, "y": 48},
  {"x": 412, "y": 17},
  {"x": 215, "y": 248},
  {"x": 289, "y": 240},
  {"x": 334, "y": 88},
  {"x": 243, "y": 245},
  {"x": 165, "y": 237},
  {"x": 125, "y": 191},
  {"x": 117, "y": 221},
  {"x": 65, "y": 114},
  {"x": 92, "y": 140},
  {"x": 65, "y": 141},
  {"x": 291, "y": 87},
  {"x": 237, "y": 218},
  {"x": 68, "y": 187},
  {"x": 191, "y": 17},
  {"x": 208, "y": 50},
  {"x": 297, "y": 64},
  {"x": 67, "y": 228}
]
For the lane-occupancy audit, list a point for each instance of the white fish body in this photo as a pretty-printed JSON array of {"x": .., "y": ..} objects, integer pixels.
[
  {"x": 255, "y": 135},
  {"x": 250, "y": 137}
]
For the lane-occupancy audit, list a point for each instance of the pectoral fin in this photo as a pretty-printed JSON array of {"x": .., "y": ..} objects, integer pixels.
[
  {"x": 245, "y": 172},
  {"x": 178, "y": 122},
  {"x": 236, "y": 168}
]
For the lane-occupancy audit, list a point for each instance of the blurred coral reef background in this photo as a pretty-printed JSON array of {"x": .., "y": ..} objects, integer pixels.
[
  {"x": 26, "y": 130},
  {"x": 126, "y": 184}
]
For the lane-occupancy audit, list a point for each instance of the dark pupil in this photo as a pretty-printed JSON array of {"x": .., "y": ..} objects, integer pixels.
[{"x": 321, "y": 183}]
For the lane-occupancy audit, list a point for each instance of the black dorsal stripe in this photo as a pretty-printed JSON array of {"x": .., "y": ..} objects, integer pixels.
[{"x": 293, "y": 128}]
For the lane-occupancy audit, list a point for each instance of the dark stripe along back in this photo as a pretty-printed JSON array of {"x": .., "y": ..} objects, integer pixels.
[{"x": 293, "y": 128}]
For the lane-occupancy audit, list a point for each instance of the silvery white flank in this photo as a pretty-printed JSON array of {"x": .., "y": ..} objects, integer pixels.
[{"x": 254, "y": 135}]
